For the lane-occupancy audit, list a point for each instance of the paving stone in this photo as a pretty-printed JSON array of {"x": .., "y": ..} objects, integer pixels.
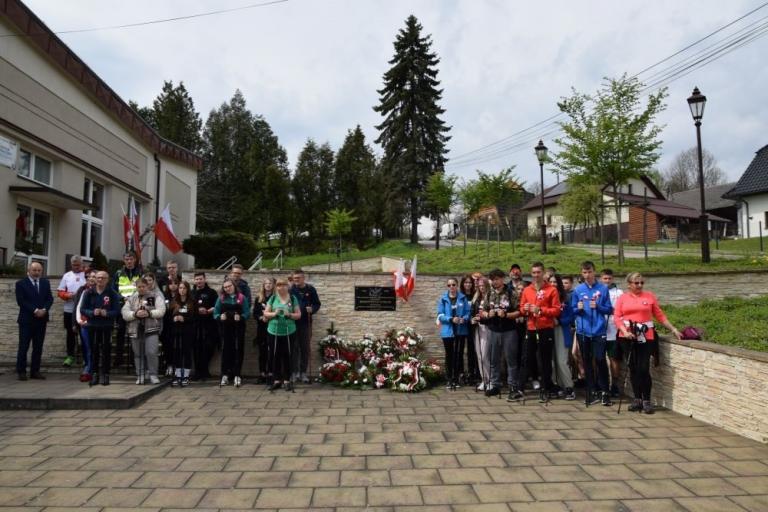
[
  {"x": 229, "y": 498},
  {"x": 704, "y": 469},
  {"x": 435, "y": 461},
  {"x": 314, "y": 479},
  {"x": 202, "y": 464},
  {"x": 448, "y": 494},
  {"x": 659, "y": 470},
  {"x": 653, "y": 505},
  {"x": 296, "y": 463},
  {"x": 62, "y": 497},
  {"x": 212, "y": 480},
  {"x": 61, "y": 479},
  {"x": 340, "y": 497},
  {"x": 751, "y": 484},
  {"x": 659, "y": 488},
  {"x": 495, "y": 493},
  {"x": 155, "y": 479},
  {"x": 562, "y": 473},
  {"x": 554, "y": 491},
  {"x": 513, "y": 475},
  {"x": 18, "y": 477},
  {"x": 259, "y": 479},
  {"x": 745, "y": 467},
  {"x": 391, "y": 496},
  {"x": 178, "y": 498},
  {"x": 368, "y": 478},
  {"x": 120, "y": 498},
  {"x": 416, "y": 477},
  {"x": 709, "y": 505},
  {"x": 327, "y": 463},
  {"x": 756, "y": 502},
  {"x": 464, "y": 476},
  {"x": 609, "y": 472},
  {"x": 112, "y": 479},
  {"x": 613, "y": 490},
  {"x": 389, "y": 462}
]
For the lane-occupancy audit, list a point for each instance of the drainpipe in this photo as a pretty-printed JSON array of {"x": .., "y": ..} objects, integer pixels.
[{"x": 157, "y": 201}]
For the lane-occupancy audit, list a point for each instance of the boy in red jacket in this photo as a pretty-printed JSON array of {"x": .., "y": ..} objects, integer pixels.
[{"x": 540, "y": 304}]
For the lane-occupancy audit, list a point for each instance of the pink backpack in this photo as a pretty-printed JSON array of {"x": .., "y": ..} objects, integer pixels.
[{"x": 691, "y": 333}]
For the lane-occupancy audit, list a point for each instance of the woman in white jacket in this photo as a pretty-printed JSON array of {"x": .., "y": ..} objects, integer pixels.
[{"x": 143, "y": 314}]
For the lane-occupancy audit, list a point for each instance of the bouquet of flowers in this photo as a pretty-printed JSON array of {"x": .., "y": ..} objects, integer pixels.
[
  {"x": 335, "y": 372},
  {"x": 406, "y": 342},
  {"x": 406, "y": 376}
]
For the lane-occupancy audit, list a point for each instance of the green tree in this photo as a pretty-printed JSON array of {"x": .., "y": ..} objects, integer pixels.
[
  {"x": 174, "y": 117},
  {"x": 412, "y": 134},
  {"x": 354, "y": 173},
  {"x": 312, "y": 188},
  {"x": 472, "y": 200},
  {"x": 225, "y": 189},
  {"x": 441, "y": 195},
  {"x": 581, "y": 205},
  {"x": 338, "y": 222},
  {"x": 610, "y": 138},
  {"x": 503, "y": 191}
]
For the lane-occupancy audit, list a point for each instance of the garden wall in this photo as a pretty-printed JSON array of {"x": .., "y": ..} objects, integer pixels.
[{"x": 720, "y": 385}]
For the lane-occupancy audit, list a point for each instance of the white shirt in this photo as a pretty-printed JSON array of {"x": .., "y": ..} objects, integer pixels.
[
  {"x": 614, "y": 294},
  {"x": 70, "y": 283}
]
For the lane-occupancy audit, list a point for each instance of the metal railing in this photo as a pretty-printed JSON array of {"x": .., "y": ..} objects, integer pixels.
[
  {"x": 227, "y": 264},
  {"x": 279, "y": 260},
  {"x": 256, "y": 262}
]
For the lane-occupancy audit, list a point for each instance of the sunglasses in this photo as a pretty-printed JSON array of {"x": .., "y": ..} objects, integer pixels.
[
  {"x": 452, "y": 285},
  {"x": 636, "y": 283}
]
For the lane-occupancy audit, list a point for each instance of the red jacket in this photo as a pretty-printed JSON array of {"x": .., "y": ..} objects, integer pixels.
[{"x": 547, "y": 300}]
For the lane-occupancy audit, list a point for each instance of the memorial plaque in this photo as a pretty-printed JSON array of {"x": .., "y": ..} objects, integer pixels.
[{"x": 375, "y": 298}]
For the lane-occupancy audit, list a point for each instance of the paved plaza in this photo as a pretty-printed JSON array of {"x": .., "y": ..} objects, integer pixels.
[{"x": 324, "y": 448}]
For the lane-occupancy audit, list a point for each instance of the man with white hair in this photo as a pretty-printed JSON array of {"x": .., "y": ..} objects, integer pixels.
[{"x": 70, "y": 283}]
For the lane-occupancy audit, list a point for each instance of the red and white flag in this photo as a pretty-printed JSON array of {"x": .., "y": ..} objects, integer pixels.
[
  {"x": 164, "y": 231},
  {"x": 126, "y": 229},
  {"x": 404, "y": 285},
  {"x": 410, "y": 284},
  {"x": 136, "y": 230}
]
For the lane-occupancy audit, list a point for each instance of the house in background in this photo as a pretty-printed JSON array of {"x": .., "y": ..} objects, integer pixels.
[
  {"x": 715, "y": 204},
  {"x": 751, "y": 194},
  {"x": 642, "y": 204},
  {"x": 73, "y": 154}
]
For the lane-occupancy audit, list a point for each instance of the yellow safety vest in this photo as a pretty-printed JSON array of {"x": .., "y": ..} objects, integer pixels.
[{"x": 126, "y": 285}]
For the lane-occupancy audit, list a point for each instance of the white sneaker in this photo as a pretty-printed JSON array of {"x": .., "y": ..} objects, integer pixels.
[
  {"x": 224, "y": 381},
  {"x": 536, "y": 384},
  {"x": 140, "y": 380},
  {"x": 481, "y": 386},
  {"x": 237, "y": 382},
  {"x": 153, "y": 379},
  {"x": 169, "y": 371}
]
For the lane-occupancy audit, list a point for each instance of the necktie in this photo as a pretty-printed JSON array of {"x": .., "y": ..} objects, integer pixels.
[{"x": 37, "y": 287}]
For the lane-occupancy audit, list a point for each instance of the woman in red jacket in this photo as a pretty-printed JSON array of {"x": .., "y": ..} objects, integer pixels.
[{"x": 633, "y": 315}]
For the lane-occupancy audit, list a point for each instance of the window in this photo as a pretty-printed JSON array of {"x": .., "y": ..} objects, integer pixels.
[
  {"x": 34, "y": 167},
  {"x": 33, "y": 230},
  {"x": 92, "y": 219},
  {"x": 629, "y": 189}
]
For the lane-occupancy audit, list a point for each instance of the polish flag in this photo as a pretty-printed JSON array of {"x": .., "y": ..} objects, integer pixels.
[
  {"x": 410, "y": 284},
  {"x": 126, "y": 228},
  {"x": 400, "y": 281},
  {"x": 164, "y": 231},
  {"x": 136, "y": 231}
]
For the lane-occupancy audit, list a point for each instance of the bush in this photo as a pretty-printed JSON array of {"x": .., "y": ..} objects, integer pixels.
[
  {"x": 12, "y": 270},
  {"x": 211, "y": 250}
]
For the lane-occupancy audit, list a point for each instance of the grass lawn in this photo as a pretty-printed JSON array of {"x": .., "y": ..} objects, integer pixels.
[
  {"x": 731, "y": 321},
  {"x": 566, "y": 259}
]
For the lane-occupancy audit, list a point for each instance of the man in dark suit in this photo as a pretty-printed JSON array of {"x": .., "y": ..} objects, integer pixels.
[{"x": 33, "y": 295}]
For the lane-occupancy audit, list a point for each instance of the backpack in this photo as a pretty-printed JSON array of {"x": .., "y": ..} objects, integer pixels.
[{"x": 691, "y": 333}]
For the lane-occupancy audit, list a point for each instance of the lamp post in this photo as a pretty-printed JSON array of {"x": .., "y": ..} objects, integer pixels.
[
  {"x": 696, "y": 103},
  {"x": 541, "y": 154}
]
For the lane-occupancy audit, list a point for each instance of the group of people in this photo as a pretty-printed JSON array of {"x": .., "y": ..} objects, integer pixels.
[
  {"x": 554, "y": 331},
  {"x": 170, "y": 323}
]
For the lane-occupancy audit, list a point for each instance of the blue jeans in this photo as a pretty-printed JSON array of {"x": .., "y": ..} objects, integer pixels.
[
  {"x": 593, "y": 349},
  {"x": 86, "y": 347}
]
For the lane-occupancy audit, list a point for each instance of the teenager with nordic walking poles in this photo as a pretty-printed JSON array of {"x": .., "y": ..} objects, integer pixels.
[
  {"x": 479, "y": 307},
  {"x": 282, "y": 311},
  {"x": 232, "y": 309},
  {"x": 633, "y": 316},
  {"x": 99, "y": 307},
  {"x": 309, "y": 303},
  {"x": 143, "y": 314},
  {"x": 182, "y": 314},
  {"x": 540, "y": 304},
  {"x": 453, "y": 310}
]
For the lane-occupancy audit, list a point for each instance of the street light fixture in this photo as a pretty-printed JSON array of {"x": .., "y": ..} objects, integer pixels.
[
  {"x": 541, "y": 154},
  {"x": 696, "y": 103}
]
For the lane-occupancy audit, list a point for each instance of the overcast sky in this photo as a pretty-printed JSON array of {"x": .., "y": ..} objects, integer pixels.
[{"x": 312, "y": 67}]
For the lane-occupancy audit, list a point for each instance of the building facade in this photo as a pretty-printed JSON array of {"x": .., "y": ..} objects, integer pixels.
[{"x": 74, "y": 156}]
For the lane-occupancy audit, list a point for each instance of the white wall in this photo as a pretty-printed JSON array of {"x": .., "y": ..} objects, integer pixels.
[{"x": 758, "y": 206}]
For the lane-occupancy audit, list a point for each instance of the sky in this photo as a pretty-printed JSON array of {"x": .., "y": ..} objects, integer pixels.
[{"x": 312, "y": 68}]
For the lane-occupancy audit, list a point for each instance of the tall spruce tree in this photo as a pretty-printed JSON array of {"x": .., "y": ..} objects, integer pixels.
[
  {"x": 313, "y": 188},
  {"x": 353, "y": 183},
  {"x": 412, "y": 134},
  {"x": 174, "y": 117}
]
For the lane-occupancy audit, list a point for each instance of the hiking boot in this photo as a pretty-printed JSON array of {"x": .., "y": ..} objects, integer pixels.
[
  {"x": 543, "y": 397},
  {"x": 275, "y": 385},
  {"x": 592, "y": 399},
  {"x": 176, "y": 382},
  {"x": 569, "y": 394},
  {"x": 606, "y": 400},
  {"x": 492, "y": 392},
  {"x": 185, "y": 382},
  {"x": 647, "y": 407},
  {"x": 636, "y": 405},
  {"x": 515, "y": 395},
  {"x": 68, "y": 361}
]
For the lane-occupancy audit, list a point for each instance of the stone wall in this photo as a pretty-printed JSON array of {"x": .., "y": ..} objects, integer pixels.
[{"x": 720, "y": 385}]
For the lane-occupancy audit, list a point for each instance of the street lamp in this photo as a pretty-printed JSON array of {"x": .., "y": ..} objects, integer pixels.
[
  {"x": 696, "y": 103},
  {"x": 541, "y": 154}
]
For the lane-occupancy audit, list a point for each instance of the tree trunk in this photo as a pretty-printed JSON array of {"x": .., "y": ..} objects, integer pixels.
[
  {"x": 437, "y": 232},
  {"x": 414, "y": 222},
  {"x": 619, "y": 244}
]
